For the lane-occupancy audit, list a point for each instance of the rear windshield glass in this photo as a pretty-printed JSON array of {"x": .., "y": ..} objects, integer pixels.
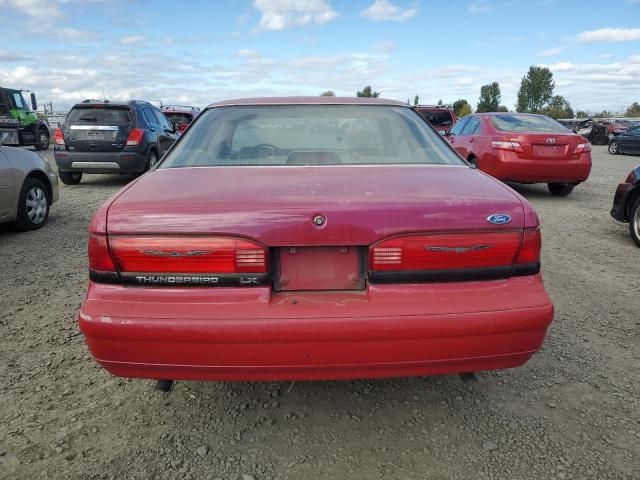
[
  {"x": 438, "y": 118},
  {"x": 178, "y": 117},
  {"x": 98, "y": 115},
  {"x": 526, "y": 123},
  {"x": 309, "y": 135}
]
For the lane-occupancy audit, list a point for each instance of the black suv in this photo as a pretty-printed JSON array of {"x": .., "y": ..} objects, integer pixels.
[{"x": 110, "y": 137}]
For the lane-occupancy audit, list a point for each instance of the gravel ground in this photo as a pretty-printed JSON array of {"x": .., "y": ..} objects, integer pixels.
[{"x": 573, "y": 412}]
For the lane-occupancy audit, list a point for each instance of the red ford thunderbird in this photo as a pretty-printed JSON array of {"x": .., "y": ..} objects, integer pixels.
[{"x": 313, "y": 238}]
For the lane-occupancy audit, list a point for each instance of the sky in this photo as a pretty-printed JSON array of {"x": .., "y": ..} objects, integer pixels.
[{"x": 197, "y": 52}]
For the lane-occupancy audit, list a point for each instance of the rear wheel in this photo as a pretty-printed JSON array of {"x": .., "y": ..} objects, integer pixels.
[
  {"x": 42, "y": 140},
  {"x": 634, "y": 221},
  {"x": 613, "y": 148},
  {"x": 152, "y": 160},
  {"x": 33, "y": 206},
  {"x": 70, "y": 178},
  {"x": 560, "y": 189}
]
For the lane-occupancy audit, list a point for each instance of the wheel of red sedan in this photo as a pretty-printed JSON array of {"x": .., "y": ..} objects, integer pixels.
[
  {"x": 634, "y": 221},
  {"x": 560, "y": 189},
  {"x": 613, "y": 148}
]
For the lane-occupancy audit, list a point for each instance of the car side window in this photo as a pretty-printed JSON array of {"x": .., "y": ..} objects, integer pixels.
[
  {"x": 162, "y": 120},
  {"x": 149, "y": 116},
  {"x": 471, "y": 126},
  {"x": 634, "y": 131},
  {"x": 457, "y": 128}
]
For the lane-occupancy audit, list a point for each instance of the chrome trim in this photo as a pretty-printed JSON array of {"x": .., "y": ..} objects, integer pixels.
[
  {"x": 96, "y": 165},
  {"x": 94, "y": 127}
]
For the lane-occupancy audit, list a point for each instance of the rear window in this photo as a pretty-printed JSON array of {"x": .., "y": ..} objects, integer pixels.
[
  {"x": 526, "y": 123},
  {"x": 437, "y": 118},
  {"x": 178, "y": 117},
  {"x": 309, "y": 135},
  {"x": 99, "y": 115}
]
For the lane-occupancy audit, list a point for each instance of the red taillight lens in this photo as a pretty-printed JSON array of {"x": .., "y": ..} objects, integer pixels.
[
  {"x": 582, "y": 148},
  {"x": 445, "y": 251},
  {"x": 188, "y": 255},
  {"x": 99, "y": 256},
  {"x": 58, "y": 137},
  {"x": 135, "y": 137},
  {"x": 182, "y": 127},
  {"x": 502, "y": 145},
  {"x": 531, "y": 245}
]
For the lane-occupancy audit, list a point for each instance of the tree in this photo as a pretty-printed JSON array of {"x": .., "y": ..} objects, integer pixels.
[
  {"x": 502, "y": 108},
  {"x": 416, "y": 100},
  {"x": 464, "y": 111},
  {"x": 367, "y": 92},
  {"x": 440, "y": 102},
  {"x": 582, "y": 114},
  {"x": 328, "y": 93},
  {"x": 536, "y": 90},
  {"x": 559, "y": 108},
  {"x": 489, "y": 100},
  {"x": 633, "y": 110},
  {"x": 458, "y": 105}
]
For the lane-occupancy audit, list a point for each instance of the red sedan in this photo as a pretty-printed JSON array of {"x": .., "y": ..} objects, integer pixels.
[
  {"x": 313, "y": 238},
  {"x": 524, "y": 148}
]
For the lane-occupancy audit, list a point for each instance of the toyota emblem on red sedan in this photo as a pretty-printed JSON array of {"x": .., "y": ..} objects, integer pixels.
[{"x": 551, "y": 140}]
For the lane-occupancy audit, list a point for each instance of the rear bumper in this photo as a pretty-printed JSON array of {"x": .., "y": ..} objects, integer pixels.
[
  {"x": 100, "y": 162},
  {"x": 507, "y": 166},
  {"x": 253, "y": 334},
  {"x": 619, "y": 209}
]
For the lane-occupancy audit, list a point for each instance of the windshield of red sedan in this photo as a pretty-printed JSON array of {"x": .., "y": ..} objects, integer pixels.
[
  {"x": 527, "y": 123},
  {"x": 309, "y": 135}
]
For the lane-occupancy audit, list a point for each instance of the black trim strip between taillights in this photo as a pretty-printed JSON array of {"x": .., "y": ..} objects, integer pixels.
[
  {"x": 455, "y": 275},
  {"x": 183, "y": 279}
]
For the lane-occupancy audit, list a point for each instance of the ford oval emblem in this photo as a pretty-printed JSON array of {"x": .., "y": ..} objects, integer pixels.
[{"x": 499, "y": 218}]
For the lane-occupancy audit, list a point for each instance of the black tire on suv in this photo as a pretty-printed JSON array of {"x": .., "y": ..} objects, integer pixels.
[{"x": 70, "y": 178}]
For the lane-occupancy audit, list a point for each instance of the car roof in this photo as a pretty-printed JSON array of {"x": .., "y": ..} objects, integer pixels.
[{"x": 318, "y": 100}]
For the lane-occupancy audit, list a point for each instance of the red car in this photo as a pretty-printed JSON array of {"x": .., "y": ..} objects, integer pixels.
[
  {"x": 181, "y": 116},
  {"x": 524, "y": 148},
  {"x": 313, "y": 238},
  {"x": 441, "y": 118}
]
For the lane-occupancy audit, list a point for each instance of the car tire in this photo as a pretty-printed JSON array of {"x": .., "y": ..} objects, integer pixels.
[
  {"x": 70, "y": 178},
  {"x": 152, "y": 160},
  {"x": 560, "y": 189},
  {"x": 33, "y": 205},
  {"x": 42, "y": 140},
  {"x": 613, "y": 148},
  {"x": 634, "y": 221}
]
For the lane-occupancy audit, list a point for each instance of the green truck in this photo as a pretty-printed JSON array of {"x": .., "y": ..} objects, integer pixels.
[{"x": 19, "y": 124}]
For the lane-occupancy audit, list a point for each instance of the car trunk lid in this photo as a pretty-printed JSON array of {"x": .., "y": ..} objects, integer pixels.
[{"x": 97, "y": 128}]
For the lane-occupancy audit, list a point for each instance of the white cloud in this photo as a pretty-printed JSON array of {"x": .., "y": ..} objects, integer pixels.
[
  {"x": 283, "y": 14},
  {"x": 132, "y": 39},
  {"x": 383, "y": 10},
  {"x": 9, "y": 56},
  {"x": 550, "y": 52},
  {"x": 609, "y": 35}
]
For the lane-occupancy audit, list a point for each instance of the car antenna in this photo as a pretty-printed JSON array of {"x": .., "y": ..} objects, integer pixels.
[{"x": 103, "y": 95}]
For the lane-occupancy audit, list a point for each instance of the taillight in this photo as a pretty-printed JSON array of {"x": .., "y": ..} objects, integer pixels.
[
  {"x": 135, "y": 137},
  {"x": 446, "y": 251},
  {"x": 58, "y": 136},
  {"x": 438, "y": 255},
  {"x": 99, "y": 257},
  {"x": 192, "y": 255},
  {"x": 503, "y": 145},
  {"x": 182, "y": 127},
  {"x": 582, "y": 148},
  {"x": 530, "y": 248}
]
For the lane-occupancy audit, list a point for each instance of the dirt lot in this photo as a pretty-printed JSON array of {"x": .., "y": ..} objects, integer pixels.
[{"x": 573, "y": 412}]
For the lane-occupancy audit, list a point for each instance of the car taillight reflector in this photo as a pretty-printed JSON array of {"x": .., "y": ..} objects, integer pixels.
[
  {"x": 446, "y": 251},
  {"x": 501, "y": 145},
  {"x": 99, "y": 257},
  {"x": 188, "y": 255},
  {"x": 58, "y": 136},
  {"x": 135, "y": 137},
  {"x": 582, "y": 148},
  {"x": 530, "y": 248}
]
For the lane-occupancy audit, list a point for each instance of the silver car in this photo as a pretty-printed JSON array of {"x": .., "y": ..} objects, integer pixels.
[{"x": 28, "y": 187}]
